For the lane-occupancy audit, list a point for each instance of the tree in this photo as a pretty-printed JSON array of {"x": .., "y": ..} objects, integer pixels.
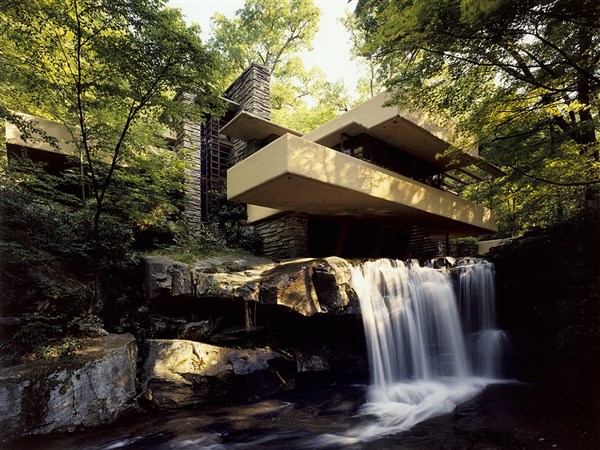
[
  {"x": 367, "y": 86},
  {"x": 267, "y": 32},
  {"x": 306, "y": 99},
  {"x": 109, "y": 70},
  {"x": 273, "y": 33},
  {"x": 522, "y": 75}
]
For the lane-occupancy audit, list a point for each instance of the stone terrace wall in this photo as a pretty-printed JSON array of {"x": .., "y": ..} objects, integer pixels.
[
  {"x": 285, "y": 236},
  {"x": 251, "y": 90},
  {"x": 190, "y": 138}
]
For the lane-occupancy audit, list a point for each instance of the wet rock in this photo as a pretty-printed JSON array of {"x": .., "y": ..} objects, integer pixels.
[
  {"x": 95, "y": 388},
  {"x": 197, "y": 331},
  {"x": 164, "y": 277},
  {"x": 307, "y": 362},
  {"x": 180, "y": 372}
]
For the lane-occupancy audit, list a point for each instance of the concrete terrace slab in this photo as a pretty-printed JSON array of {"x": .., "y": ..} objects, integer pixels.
[{"x": 296, "y": 174}]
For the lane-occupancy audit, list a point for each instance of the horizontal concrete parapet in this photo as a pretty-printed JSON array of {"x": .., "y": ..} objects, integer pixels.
[{"x": 295, "y": 174}]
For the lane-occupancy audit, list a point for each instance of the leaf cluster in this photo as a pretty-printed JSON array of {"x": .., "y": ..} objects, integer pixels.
[
  {"x": 522, "y": 76},
  {"x": 273, "y": 33},
  {"x": 266, "y": 32}
]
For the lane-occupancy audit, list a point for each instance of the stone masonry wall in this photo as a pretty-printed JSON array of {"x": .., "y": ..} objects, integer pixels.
[
  {"x": 285, "y": 236},
  {"x": 189, "y": 139},
  {"x": 251, "y": 90}
]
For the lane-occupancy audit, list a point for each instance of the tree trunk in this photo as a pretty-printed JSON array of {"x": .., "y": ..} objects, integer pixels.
[{"x": 96, "y": 302}]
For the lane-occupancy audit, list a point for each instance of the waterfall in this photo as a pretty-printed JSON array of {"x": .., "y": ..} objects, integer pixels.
[
  {"x": 411, "y": 322},
  {"x": 430, "y": 348},
  {"x": 476, "y": 297}
]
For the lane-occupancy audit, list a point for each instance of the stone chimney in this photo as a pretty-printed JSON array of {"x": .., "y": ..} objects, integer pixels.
[{"x": 252, "y": 92}]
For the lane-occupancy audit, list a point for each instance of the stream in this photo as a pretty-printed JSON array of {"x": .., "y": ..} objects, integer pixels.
[
  {"x": 503, "y": 416},
  {"x": 436, "y": 383}
]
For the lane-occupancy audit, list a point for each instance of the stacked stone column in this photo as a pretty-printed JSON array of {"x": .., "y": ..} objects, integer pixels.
[{"x": 284, "y": 236}]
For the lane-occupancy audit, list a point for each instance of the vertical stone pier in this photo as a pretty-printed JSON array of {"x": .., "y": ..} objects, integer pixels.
[{"x": 284, "y": 236}]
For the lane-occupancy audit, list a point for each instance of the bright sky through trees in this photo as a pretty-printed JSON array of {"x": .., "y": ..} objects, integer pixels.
[{"x": 331, "y": 48}]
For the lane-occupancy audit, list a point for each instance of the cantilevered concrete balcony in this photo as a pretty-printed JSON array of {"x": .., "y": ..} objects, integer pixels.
[
  {"x": 44, "y": 132},
  {"x": 297, "y": 174}
]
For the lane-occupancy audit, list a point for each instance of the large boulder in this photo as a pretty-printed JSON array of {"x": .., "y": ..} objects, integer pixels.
[
  {"x": 306, "y": 287},
  {"x": 179, "y": 372},
  {"x": 310, "y": 287},
  {"x": 164, "y": 277},
  {"x": 333, "y": 283},
  {"x": 227, "y": 276},
  {"x": 95, "y": 388}
]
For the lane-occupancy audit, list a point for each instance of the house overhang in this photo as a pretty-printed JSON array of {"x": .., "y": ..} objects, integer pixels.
[
  {"x": 250, "y": 127},
  {"x": 415, "y": 133},
  {"x": 295, "y": 174},
  {"x": 44, "y": 131}
]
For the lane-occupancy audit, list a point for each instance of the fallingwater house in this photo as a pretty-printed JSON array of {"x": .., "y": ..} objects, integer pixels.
[{"x": 369, "y": 183}]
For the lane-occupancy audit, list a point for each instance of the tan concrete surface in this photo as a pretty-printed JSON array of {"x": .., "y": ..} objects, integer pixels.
[
  {"x": 416, "y": 133},
  {"x": 293, "y": 173},
  {"x": 38, "y": 141}
]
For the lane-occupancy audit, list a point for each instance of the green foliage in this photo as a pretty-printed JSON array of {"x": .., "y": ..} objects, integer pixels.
[
  {"x": 306, "y": 99},
  {"x": 273, "y": 33},
  {"x": 192, "y": 242},
  {"x": 110, "y": 72},
  {"x": 37, "y": 331},
  {"x": 522, "y": 77},
  {"x": 268, "y": 32},
  {"x": 367, "y": 86},
  {"x": 66, "y": 348},
  {"x": 233, "y": 226}
]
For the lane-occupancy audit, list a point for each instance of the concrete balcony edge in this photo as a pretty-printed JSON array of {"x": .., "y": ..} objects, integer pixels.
[{"x": 295, "y": 174}]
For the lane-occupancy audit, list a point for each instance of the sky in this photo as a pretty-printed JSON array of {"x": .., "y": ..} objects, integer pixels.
[{"x": 331, "y": 48}]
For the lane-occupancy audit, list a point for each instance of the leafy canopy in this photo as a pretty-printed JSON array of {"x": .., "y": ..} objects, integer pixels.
[
  {"x": 273, "y": 33},
  {"x": 268, "y": 32},
  {"x": 522, "y": 75},
  {"x": 109, "y": 70}
]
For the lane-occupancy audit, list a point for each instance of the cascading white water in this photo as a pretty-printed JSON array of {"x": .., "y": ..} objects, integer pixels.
[
  {"x": 477, "y": 305},
  {"x": 421, "y": 364},
  {"x": 411, "y": 322}
]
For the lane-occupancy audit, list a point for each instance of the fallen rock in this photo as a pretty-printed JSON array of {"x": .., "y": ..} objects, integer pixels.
[
  {"x": 333, "y": 284},
  {"x": 310, "y": 287},
  {"x": 179, "y": 372},
  {"x": 290, "y": 285},
  {"x": 95, "y": 388}
]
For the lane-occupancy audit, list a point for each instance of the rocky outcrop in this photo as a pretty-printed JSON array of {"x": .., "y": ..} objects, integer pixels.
[
  {"x": 93, "y": 389},
  {"x": 164, "y": 277},
  {"x": 227, "y": 276},
  {"x": 309, "y": 287},
  {"x": 306, "y": 287},
  {"x": 178, "y": 372}
]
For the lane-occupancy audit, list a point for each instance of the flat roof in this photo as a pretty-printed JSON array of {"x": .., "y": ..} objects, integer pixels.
[
  {"x": 54, "y": 130},
  {"x": 249, "y": 127},
  {"x": 414, "y": 133}
]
